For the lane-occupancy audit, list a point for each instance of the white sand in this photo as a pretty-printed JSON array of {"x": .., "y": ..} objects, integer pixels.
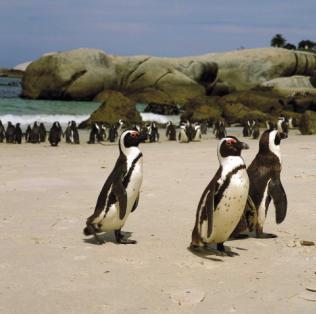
[{"x": 47, "y": 266}]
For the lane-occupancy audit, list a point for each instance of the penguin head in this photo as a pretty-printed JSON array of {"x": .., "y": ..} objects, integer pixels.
[
  {"x": 131, "y": 138},
  {"x": 230, "y": 146},
  {"x": 270, "y": 141}
]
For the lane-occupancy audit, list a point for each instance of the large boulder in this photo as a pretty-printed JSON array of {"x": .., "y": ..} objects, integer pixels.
[
  {"x": 307, "y": 123},
  {"x": 115, "y": 106},
  {"x": 77, "y": 74}
]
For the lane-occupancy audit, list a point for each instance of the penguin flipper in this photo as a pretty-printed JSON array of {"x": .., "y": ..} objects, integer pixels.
[
  {"x": 136, "y": 203},
  {"x": 119, "y": 191},
  {"x": 277, "y": 193}
]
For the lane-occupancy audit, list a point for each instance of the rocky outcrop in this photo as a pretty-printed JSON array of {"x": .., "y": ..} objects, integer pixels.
[
  {"x": 78, "y": 74},
  {"x": 115, "y": 106},
  {"x": 11, "y": 73}
]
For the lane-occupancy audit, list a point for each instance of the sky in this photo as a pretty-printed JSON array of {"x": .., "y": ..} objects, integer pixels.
[{"x": 30, "y": 28}]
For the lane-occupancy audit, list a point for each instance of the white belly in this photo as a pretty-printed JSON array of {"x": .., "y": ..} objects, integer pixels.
[
  {"x": 229, "y": 210},
  {"x": 183, "y": 137},
  {"x": 262, "y": 207},
  {"x": 112, "y": 220}
]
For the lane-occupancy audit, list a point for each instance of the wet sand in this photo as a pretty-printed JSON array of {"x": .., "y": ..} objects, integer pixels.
[{"x": 48, "y": 266}]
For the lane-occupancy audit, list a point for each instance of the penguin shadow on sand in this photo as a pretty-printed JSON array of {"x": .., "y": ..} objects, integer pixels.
[
  {"x": 104, "y": 238},
  {"x": 210, "y": 253}
]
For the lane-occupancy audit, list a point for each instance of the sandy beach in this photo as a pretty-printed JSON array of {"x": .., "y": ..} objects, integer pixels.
[{"x": 47, "y": 265}]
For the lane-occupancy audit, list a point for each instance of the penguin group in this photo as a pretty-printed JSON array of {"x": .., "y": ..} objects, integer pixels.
[
  {"x": 234, "y": 202},
  {"x": 100, "y": 132}
]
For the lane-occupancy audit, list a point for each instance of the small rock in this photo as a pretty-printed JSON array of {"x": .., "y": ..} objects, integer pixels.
[
  {"x": 307, "y": 243},
  {"x": 292, "y": 243}
]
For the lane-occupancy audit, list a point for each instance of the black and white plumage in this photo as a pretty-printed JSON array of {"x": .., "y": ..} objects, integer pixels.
[
  {"x": 120, "y": 193},
  {"x": 171, "y": 132},
  {"x": 265, "y": 185},
  {"x": 223, "y": 201},
  {"x": 55, "y": 134},
  {"x": 2, "y": 132}
]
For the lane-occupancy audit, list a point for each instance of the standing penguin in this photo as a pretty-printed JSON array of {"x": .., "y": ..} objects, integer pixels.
[
  {"x": 221, "y": 132},
  {"x": 55, "y": 134},
  {"x": 255, "y": 130},
  {"x": 246, "y": 131},
  {"x": 120, "y": 193},
  {"x": 94, "y": 133},
  {"x": 35, "y": 133},
  {"x": 10, "y": 133},
  {"x": 2, "y": 132},
  {"x": 42, "y": 132},
  {"x": 223, "y": 201},
  {"x": 18, "y": 134},
  {"x": 171, "y": 132},
  {"x": 265, "y": 185},
  {"x": 182, "y": 136},
  {"x": 197, "y": 133},
  {"x": 27, "y": 134}
]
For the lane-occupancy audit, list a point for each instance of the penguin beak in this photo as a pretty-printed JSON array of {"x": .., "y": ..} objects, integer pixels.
[
  {"x": 242, "y": 145},
  {"x": 283, "y": 135},
  {"x": 142, "y": 138}
]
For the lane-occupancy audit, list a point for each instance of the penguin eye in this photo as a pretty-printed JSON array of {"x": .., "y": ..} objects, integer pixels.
[{"x": 134, "y": 134}]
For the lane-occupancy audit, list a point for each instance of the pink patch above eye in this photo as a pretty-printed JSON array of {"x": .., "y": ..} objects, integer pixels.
[{"x": 231, "y": 141}]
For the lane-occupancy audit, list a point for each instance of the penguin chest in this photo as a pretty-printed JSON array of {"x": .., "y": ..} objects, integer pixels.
[
  {"x": 230, "y": 207},
  {"x": 183, "y": 136}
]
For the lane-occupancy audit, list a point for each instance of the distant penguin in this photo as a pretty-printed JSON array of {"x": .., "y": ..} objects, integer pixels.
[
  {"x": 42, "y": 132},
  {"x": 221, "y": 132},
  {"x": 197, "y": 133},
  {"x": 35, "y": 133},
  {"x": 120, "y": 127},
  {"x": 112, "y": 133},
  {"x": 10, "y": 133},
  {"x": 18, "y": 134},
  {"x": 223, "y": 201},
  {"x": 102, "y": 134},
  {"x": 120, "y": 193},
  {"x": 27, "y": 134},
  {"x": 94, "y": 133},
  {"x": 265, "y": 185},
  {"x": 2, "y": 132},
  {"x": 153, "y": 133},
  {"x": 71, "y": 133},
  {"x": 204, "y": 127},
  {"x": 55, "y": 134},
  {"x": 255, "y": 130},
  {"x": 171, "y": 132},
  {"x": 190, "y": 131},
  {"x": 182, "y": 136},
  {"x": 246, "y": 129}
]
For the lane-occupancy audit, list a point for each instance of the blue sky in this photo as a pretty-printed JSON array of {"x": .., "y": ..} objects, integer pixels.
[{"x": 29, "y": 28}]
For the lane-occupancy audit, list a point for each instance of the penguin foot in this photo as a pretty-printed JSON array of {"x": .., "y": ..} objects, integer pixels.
[
  {"x": 89, "y": 230},
  {"x": 222, "y": 252},
  {"x": 264, "y": 235},
  {"x": 120, "y": 238},
  {"x": 239, "y": 236}
]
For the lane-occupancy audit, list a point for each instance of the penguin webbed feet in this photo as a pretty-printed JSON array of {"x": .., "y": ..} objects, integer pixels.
[
  {"x": 264, "y": 235},
  {"x": 120, "y": 238},
  {"x": 223, "y": 252}
]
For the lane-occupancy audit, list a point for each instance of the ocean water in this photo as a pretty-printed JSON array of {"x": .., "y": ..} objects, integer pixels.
[{"x": 26, "y": 111}]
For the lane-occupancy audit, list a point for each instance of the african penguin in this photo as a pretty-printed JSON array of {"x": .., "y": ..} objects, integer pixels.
[
  {"x": 197, "y": 133},
  {"x": 265, "y": 185},
  {"x": 171, "y": 132},
  {"x": 182, "y": 136},
  {"x": 55, "y": 134},
  {"x": 10, "y": 133},
  {"x": 2, "y": 132},
  {"x": 18, "y": 134},
  {"x": 223, "y": 201},
  {"x": 120, "y": 193}
]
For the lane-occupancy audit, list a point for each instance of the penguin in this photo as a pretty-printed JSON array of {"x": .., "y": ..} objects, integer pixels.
[
  {"x": 17, "y": 134},
  {"x": 120, "y": 127},
  {"x": 42, "y": 132},
  {"x": 223, "y": 201},
  {"x": 94, "y": 133},
  {"x": 153, "y": 133},
  {"x": 102, "y": 134},
  {"x": 221, "y": 132},
  {"x": 197, "y": 133},
  {"x": 68, "y": 134},
  {"x": 113, "y": 133},
  {"x": 182, "y": 136},
  {"x": 255, "y": 130},
  {"x": 190, "y": 131},
  {"x": 35, "y": 133},
  {"x": 2, "y": 132},
  {"x": 9, "y": 133},
  {"x": 27, "y": 134},
  {"x": 120, "y": 193},
  {"x": 265, "y": 185},
  {"x": 55, "y": 134},
  {"x": 171, "y": 132},
  {"x": 246, "y": 129},
  {"x": 204, "y": 127}
]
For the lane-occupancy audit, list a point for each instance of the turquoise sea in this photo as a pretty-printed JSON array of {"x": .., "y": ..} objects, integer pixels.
[{"x": 26, "y": 111}]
